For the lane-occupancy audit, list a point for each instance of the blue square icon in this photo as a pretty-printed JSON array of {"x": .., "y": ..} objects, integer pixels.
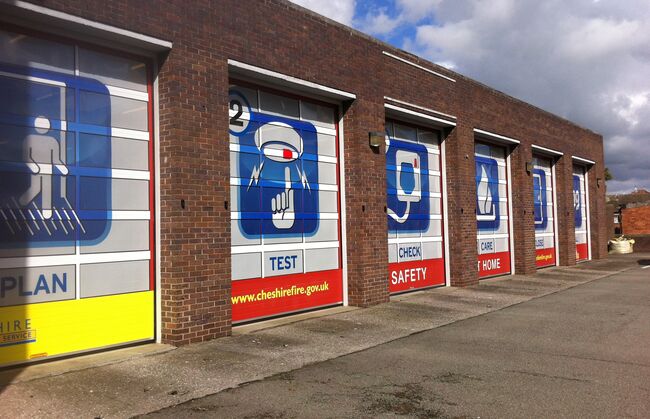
[
  {"x": 487, "y": 194},
  {"x": 540, "y": 199},
  {"x": 407, "y": 179},
  {"x": 278, "y": 170},
  {"x": 43, "y": 186}
]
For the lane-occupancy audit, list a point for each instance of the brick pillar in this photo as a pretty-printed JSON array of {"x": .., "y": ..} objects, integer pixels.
[
  {"x": 523, "y": 216},
  {"x": 566, "y": 221},
  {"x": 598, "y": 214},
  {"x": 365, "y": 184},
  {"x": 461, "y": 200},
  {"x": 194, "y": 185}
]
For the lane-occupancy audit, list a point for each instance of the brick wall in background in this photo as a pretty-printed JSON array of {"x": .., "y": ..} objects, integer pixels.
[{"x": 636, "y": 220}]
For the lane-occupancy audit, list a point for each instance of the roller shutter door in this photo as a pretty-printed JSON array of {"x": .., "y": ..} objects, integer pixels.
[
  {"x": 414, "y": 208},
  {"x": 543, "y": 199},
  {"x": 580, "y": 200},
  {"x": 285, "y": 213},
  {"x": 492, "y": 210},
  {"x": 76, "y": 216}
]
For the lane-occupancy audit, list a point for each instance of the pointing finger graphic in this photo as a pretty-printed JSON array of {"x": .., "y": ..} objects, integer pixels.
[{"x": 282, "y": 205}]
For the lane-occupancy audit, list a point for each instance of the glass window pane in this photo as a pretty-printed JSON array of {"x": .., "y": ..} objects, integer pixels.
[
  {"x": 428, "y": 137},
  {"x": 113, "y": 70},
  {"x": 404, "y": 132},
  {"x": 318, "y": 115},
  {"x": 117, "y": 153},
  {"x": 25, "y": 98},
  {"x": 99, "y": 109},
  {"x": 279, "y": 105},
  {"x": 27, "y": 51}
]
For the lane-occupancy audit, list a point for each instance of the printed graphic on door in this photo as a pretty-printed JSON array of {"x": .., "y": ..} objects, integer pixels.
[
  {"x": 408, "y": 180},
  {"x": 493, "y": 238},
  {"x": 284, "y": 185},
  {"x": 580, "y": 214},
  {"x": 543, "y": 210},
  {"x": 413, "y": 208},
  {"x": 75, "y": 216},
  {"x": 41, "y": 182}
]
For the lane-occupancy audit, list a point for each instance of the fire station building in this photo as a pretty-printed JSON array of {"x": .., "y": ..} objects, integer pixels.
[{"x": 170, "y": 170}]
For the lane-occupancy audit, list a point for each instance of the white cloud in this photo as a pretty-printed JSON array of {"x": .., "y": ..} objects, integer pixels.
[
  {"x": 378, "y": 23},
  {"x": 586, "y": 61},
  {"x": 340, "y": 10}
]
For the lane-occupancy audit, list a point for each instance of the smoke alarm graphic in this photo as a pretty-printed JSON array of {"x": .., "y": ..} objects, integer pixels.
[
  {"x": 278, "y": 172},
  {"x": 279, "y": 145}
]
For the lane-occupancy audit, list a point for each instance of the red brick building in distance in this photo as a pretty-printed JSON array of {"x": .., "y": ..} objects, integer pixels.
[
  {"x": 213, "y": 163},
  {"x": 629, "y": 215}
]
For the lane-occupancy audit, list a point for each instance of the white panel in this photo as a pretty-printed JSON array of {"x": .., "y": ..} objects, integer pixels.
[
  {"x": 321, "y": 259},
  {"x": 326, "y": 145},
  {"x": 432, "y": 250},
  {"x": 283, "y": 263},
  {"x": 328, "y": 230},
  {"x": 392, "y": 253},
  {"x": 327, "y": 173},
  {"x": 247, "y": 265},
  {"x": 123, "y": 236}
]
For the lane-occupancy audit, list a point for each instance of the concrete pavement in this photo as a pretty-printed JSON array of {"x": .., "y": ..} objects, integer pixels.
[
  {"x": 143, "y": 382},
  {"x": 584, "y": 352}
]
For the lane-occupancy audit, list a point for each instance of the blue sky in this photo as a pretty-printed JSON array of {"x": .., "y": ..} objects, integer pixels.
[{"x": 584, "y": 60}]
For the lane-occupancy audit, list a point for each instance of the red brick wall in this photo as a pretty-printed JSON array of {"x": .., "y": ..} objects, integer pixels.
[
  {"x": 277, "y": 35},
  {"x": 636, "y": 220}
]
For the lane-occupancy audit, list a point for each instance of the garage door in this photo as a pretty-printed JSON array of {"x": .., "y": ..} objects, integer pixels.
[
  {"x": 543, "y": 199},
  {"x": 492, "y": 210},
  {"x": 580, "y": 200},
  {"x": 75, "y": 199},
  {"x": 414, "y": 207},
  {"x": 285, "y": 223}
]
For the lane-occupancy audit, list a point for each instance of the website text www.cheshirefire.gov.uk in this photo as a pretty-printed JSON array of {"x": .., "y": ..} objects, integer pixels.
[{"x": 280, "y": 293}]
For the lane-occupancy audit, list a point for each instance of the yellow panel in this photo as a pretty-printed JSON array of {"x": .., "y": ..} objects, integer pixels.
[{"x": 47, "y": 329}]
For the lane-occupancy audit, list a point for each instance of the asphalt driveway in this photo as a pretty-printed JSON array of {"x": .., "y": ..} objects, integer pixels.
[{"x": 582, "y": 352}]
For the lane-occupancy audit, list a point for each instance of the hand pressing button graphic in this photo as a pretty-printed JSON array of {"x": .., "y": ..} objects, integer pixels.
[{"x": 282, "y": 205}]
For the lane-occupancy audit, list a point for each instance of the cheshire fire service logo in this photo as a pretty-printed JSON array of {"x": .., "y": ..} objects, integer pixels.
[{"x": 278, "y": 168}]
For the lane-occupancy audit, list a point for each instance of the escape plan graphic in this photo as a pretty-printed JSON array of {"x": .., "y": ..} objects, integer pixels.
[
  {"x": 75, "y": 193},
  {"x": 580, "y": 213},
  {"x": 492, "y": 210},
  {"x": 413, "y": 208},
  {"x": 285, "y": 213},
  {"x": 543, "y": 212},
  {"x": 41, "y": 182}
]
